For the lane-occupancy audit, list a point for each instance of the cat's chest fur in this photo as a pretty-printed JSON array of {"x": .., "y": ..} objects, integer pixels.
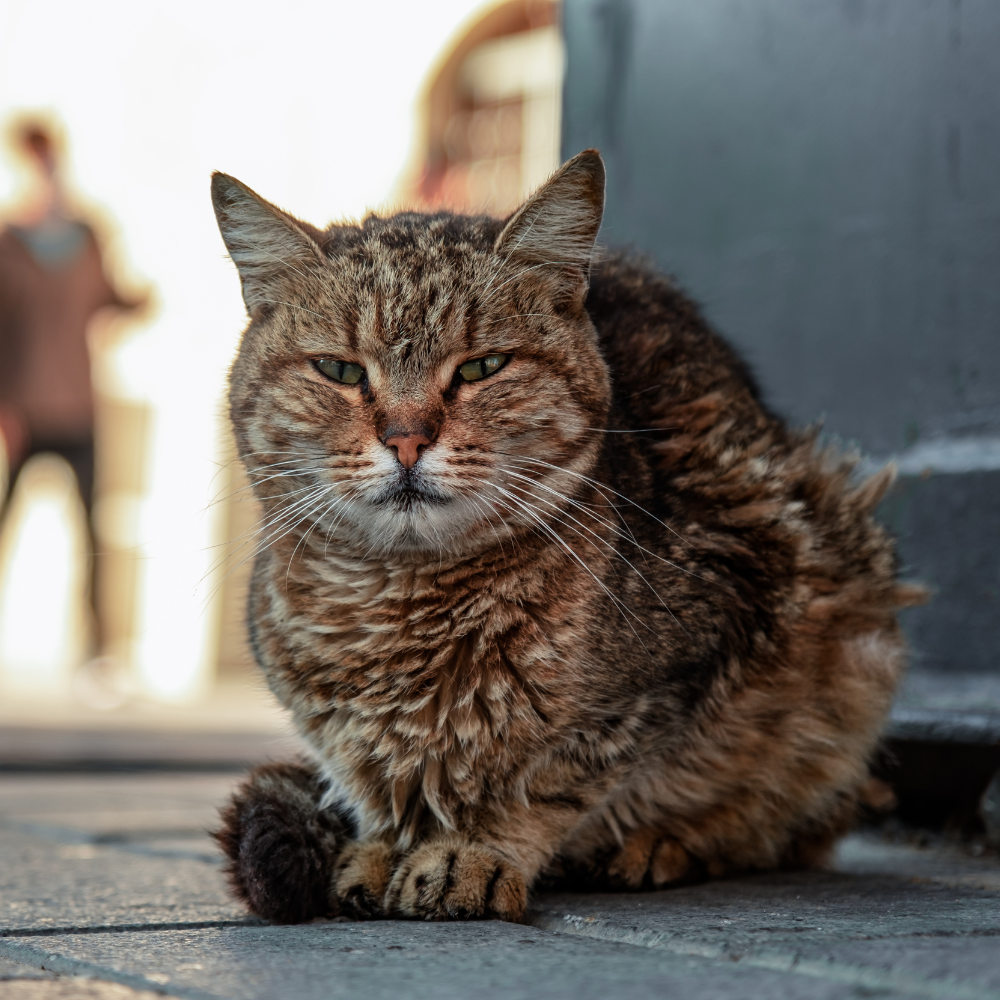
[{"x": 442, "y": 680}]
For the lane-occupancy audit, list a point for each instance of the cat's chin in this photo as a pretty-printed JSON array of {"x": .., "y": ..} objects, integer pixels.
[{"x": 413, "y": 523}]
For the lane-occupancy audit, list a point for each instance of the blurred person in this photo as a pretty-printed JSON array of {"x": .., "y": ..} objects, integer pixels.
[{"x": 52, "y": 283}]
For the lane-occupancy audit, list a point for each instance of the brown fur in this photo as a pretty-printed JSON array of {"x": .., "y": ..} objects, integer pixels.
[{"x": 617, "y": 623}]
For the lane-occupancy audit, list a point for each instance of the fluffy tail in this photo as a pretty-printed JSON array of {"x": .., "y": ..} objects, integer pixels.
[{"x": 281, "y": 845}]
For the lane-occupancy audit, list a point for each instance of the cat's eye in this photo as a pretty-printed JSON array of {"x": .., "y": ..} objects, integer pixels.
[
  {"x": 472, "y": 371},
  {"x": 340, "y": 371}
]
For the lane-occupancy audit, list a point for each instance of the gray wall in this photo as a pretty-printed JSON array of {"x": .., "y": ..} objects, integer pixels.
[{"x": 824, "y": 176}]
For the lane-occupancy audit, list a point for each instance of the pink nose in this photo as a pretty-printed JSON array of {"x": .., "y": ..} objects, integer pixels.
[{"x": 408, "y": 447}]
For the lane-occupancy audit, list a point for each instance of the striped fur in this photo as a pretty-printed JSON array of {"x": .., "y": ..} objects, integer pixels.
[{"x": 617, "y": 624}]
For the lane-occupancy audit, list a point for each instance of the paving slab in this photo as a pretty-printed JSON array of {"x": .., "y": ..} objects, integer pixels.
[
  {"x": 919, "y": 937},
  {"x": 107, "y": 805},
  {"x": 22, "y": 982},
  {"x": 393, "y": 959},
  {"x": 11, "y": 971},
  {"x": 73, "y": 989},
  {"x": 46, "y": 885},
  {"x": 111, "y": 851},
  {"x": 155, "y": 815},
  {"x": 790, "y": 907},
  {"x": 936, "y": 860},
  {"x": 111, "y": 883}
]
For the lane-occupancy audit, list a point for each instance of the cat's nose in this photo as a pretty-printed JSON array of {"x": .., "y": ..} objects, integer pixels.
[{"x": 407, "y": 447}]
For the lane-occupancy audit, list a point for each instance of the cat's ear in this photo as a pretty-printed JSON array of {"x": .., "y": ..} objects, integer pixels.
[
  {"x": 268, "y": 246},
  {"x": 558, "y": 224}
]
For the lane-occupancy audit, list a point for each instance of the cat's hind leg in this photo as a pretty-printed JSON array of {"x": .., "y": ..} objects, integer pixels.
[
  {"x": 646, "y": 859},
  {"x": 649, "y": 860},
  {"x": 282, "y": 847}
]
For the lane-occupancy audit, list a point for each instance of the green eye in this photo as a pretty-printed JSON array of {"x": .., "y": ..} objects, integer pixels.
[
  {"x": 340, "y": 371},
  {"x": 473, "y": 371}
]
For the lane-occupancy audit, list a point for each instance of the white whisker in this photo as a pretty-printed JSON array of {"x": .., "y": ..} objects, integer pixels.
[
  {"x": 627, "y": 537},
  {"x": 604, "y": 541},
  {"x": 599, "y": 486},
  {"x": 527, "y": 508}
]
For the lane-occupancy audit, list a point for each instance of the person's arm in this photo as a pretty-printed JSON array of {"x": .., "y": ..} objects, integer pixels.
[
  {"x": 13, "y": 429},
  {"x": 108, "y": 294}
]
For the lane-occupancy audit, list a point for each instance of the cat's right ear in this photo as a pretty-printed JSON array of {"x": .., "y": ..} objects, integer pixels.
[
  {"x": 269, "y": 248},
  {"x": 557, "y": 226}
]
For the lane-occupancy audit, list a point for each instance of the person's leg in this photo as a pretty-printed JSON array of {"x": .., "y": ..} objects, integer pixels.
[
  {"x": 13, "y": 470},
  {"x": 80, "y": 455}
]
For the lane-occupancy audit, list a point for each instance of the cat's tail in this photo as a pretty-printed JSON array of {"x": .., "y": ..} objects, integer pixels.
[{"x": 281, "y": 845}]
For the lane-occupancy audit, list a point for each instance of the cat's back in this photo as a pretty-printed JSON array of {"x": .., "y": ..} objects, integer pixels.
[
  {"x": 745, "y": 508},
  {"x": 661, "y": 351}
]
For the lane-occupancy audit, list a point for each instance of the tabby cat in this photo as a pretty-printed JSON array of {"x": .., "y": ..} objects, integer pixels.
[{"x": 550, "y": 594}]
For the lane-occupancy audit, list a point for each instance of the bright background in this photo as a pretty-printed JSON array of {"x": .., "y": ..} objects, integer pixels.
[{"x": 311, "y": 103}]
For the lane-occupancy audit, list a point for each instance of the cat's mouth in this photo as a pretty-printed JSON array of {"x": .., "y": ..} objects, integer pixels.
[{"x": 407, "y": 495}]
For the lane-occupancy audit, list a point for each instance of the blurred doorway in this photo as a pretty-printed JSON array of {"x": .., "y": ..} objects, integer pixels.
[{"x": 489, "y": 116}]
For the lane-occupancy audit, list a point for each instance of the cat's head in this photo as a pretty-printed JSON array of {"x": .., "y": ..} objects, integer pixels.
[{"x": 418, "y": 382}]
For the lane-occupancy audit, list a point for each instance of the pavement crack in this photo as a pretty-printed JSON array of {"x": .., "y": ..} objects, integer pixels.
[{"x": 186, "y": 925}]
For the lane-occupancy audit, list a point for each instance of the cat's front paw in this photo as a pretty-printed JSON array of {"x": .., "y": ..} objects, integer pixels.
[
  {"x": 362, "y": 879},
  {"x": 452, "y": 879}
]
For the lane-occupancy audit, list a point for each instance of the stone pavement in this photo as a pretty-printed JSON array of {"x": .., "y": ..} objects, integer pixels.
[{"x": 110, "y": 888}]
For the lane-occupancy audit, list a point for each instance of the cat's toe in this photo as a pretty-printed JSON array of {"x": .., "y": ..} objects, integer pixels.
[
  {"x": 456, "y": 880},
  {"x": 671, "y": 864},
  {"x": 647, "y": 860},
  {"x": 628, "y": 868},
  {"x": 281, "y": 846},
  {"x": 362, "y": 879}
]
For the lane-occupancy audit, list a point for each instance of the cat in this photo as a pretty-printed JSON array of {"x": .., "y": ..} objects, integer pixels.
[{"x": 550, "y": 594}]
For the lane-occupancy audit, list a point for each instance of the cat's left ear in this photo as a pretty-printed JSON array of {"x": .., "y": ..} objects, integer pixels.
[
  {"x": 269, "y": 247},
  {"x": 557, "y": 226}
]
